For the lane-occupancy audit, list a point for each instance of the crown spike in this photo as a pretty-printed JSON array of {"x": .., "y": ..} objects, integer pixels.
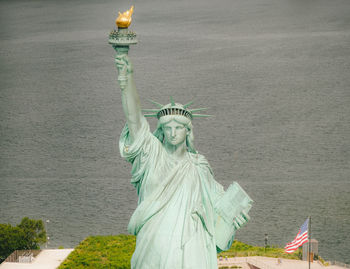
[
  {"x": 155, "y": 103},
  {"x": 150, "y": 110},
  {"x": 201, "y": 116},
  {"x": 188, "y": 104},
  {"x": 198, "y": 109},
  {"x": 172, "y": 101}
]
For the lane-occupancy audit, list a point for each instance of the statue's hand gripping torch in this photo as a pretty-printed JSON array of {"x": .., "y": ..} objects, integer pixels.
[{"x": 124, "y": 67}]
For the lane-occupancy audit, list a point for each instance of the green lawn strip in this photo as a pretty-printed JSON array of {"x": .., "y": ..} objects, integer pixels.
[
  {"x": 102, "y": 252},
  {"x": 239, "y": 249},
  {"x": 116, "y": 251}
]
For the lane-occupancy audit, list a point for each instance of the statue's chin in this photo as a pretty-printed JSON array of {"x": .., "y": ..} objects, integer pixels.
[{"x": 174, "y": 143}]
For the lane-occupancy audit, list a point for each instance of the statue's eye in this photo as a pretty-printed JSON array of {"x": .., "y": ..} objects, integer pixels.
[{"x": 179, "y": 127}]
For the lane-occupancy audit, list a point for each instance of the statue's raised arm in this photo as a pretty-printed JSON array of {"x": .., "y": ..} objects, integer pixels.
[
  {"x": 130, "y": 97},
  {"x": 121, "y": 39}
]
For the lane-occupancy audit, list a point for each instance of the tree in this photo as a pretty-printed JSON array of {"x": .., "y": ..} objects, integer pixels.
[
  {"x": 35, "y": 233},
  {"x": 29, "y": 234}
]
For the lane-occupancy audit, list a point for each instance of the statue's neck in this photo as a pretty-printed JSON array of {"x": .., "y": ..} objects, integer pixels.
[{"x": 177, "y": 152}]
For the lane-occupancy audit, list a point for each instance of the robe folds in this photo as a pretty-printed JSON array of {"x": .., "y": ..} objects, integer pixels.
[{"x": 183, "y": 215}]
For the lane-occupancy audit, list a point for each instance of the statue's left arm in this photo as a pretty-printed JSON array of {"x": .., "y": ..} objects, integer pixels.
[{"x": 231, "y": 207}]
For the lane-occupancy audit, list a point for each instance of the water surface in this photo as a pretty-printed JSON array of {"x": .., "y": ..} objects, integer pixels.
[{"x": 275, "y": 75}]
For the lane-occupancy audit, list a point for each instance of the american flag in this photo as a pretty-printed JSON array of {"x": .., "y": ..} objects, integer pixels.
[{"x": 301, "y": 238}]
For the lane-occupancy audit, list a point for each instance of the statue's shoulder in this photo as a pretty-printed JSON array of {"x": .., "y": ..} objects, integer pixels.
[{"x": 199, "y": 159}]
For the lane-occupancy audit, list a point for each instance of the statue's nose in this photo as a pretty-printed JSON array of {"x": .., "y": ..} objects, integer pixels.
[{"x": 173, "y": 132}]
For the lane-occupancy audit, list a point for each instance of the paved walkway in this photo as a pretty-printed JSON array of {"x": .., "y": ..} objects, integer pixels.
[
  {"x": 272, "y": 263},
  {"x": 47, "y": 259},
  {"x": 239, "y": 261}
]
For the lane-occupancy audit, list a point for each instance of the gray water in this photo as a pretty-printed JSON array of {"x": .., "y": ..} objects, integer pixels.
[{"x": 275, "y": 75}]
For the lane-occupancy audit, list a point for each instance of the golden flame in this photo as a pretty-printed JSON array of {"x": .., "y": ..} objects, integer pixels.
[{"x": 124, "y": 19}]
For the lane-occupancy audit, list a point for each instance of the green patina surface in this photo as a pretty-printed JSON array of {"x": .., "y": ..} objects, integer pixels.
[
  {"x": 116, "y": 251},
  {"x": 180, "y": 204}
]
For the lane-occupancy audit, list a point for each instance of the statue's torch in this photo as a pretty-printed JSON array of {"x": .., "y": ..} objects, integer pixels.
[{"x": 121, "y": 38}]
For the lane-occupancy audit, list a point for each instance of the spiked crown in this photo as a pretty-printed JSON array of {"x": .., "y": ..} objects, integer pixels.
[{"x": 174, "y": 109}]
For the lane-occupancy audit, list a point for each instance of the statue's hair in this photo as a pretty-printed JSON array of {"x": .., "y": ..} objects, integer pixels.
[{"x": 159, "y": 133}]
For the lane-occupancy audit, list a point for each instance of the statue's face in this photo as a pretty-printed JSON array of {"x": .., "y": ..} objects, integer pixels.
[{"x": 174, "y": 133}]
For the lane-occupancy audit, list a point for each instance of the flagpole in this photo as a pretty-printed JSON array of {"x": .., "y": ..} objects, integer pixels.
[{"x": 309, "y": 254}]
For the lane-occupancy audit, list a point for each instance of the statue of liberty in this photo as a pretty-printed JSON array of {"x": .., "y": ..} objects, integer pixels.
[{"x": 184, "y": 217}]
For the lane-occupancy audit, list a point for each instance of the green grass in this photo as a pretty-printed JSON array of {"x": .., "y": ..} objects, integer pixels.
[
  {"x": 239, "y": 249},
  {"x": 99, "y": 252},
  {"x": 102, "y": 252}
]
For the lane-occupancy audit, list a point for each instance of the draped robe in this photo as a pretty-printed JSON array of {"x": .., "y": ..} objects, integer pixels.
[{"x": 181, "y": 214}]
